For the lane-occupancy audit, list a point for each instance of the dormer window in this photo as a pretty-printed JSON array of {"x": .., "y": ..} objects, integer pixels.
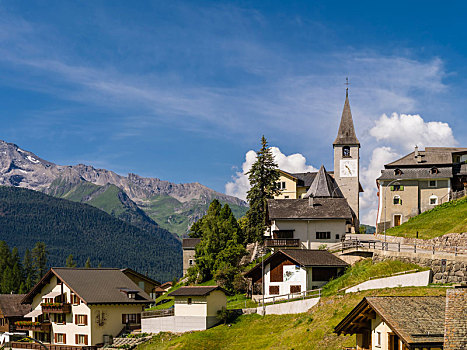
[
  {"x": 434, "y": 170},
  {"x": 346, "y": 152},
  {"x": 397, "y": 172},
  {"x": 130, "y": 293}
]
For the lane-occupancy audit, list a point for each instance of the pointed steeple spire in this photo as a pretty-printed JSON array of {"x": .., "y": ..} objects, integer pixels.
[
  {"x": 321, "y": 186},
  {"x": 346, "y": 134}
]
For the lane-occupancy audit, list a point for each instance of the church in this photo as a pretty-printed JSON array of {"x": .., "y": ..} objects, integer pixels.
[{"x": 317, "y": 209}]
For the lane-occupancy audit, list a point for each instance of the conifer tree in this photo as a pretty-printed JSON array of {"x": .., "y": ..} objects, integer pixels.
[
  {"x": 39, "y": 258},
  {"x": 263, "y": 177},
  {"x": 88, "y": 263},
  {"x": 29, "y": 271},
  {"x": 70, "y": 262}
]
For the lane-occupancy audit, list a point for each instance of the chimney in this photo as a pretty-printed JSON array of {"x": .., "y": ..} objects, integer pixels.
[
  {"x": 311, "y": 201},
  {"x": 416, "y": 151},
  {"x": 417, "y": 155},
  {"x": 455, "y": 323}
]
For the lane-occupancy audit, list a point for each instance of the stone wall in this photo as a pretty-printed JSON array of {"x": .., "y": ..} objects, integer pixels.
[
  {"x": 455, "y": 331},
  {"x": 454, "y": 270}
]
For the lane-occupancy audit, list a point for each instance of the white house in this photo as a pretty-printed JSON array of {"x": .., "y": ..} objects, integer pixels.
[
  {"x": 195, "y": 308},
  {"x": 83, "y": 307},
  {"x": 295, "y": 270}
]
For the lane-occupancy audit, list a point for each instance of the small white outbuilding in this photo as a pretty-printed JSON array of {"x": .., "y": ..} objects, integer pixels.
[{"x": 195, "y": 308}]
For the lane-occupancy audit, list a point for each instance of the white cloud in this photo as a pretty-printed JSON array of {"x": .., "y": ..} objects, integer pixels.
[
  {"x": 368, "y": 176},
  {"x": 405, "y": 131},
  {"x": 294, "y": 163}
]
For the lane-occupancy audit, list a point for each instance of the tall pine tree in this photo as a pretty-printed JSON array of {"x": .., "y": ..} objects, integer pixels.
[
  {"x": 39, "y": 258},
  {"x": 263, "y": 177}
]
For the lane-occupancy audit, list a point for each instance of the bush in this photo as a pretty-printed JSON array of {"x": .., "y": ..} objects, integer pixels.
[{"x": 226, "y": 316}]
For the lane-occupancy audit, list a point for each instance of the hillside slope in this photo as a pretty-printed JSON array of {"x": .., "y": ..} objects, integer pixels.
[
  {"x": 450, "y": 217},
  {"x": 312, "y": 330},
  {"x": 188, "y": 202},
  {"x": 66, "y": 227}
]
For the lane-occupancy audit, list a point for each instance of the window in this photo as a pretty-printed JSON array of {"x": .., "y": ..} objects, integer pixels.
[
  {"x": 397, "y": 220},
  {"x": 60, "y": 338},
  {"x": 378, "y": 339},
  {"x": 337, "y": 236},
  {"x": 295, "y": 289},
  {"x": 323, "y": 235},
  {"x": 278, "y": 234},
  {"x": 75, "y": 299},
  {"x": 433, "y": 200},
  {"x": 131, "y": 318},
  {"x": 60, "y": 318},
  {"x": 432, "y": 183},
  {"x": 397, "y": 172},
  {"x": 281, "y": 185},
  {"x": 141, "y": 284},
  {"x": 190, "y": 301},
  {"x": 397, "y": 188},
  {"x": 81, "y": 339},
  {"x": 2, "y": 321},
  {"x": 190, "y": 262},
  {"x": 434, "y": 170},
  {"x": 81, "y": 320},
  {"x": 397, "y": 200},
  {"x": 273, "y": 290},
  {"x": 346, "y": 152},
  {"x": 286, "y": 197}
]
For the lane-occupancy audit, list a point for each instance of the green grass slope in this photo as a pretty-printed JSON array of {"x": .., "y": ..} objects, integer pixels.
[
  {"x": 312, "y": 330},
  {"x": 67, "y": 227},
  {"x": 450, "y": 217}
]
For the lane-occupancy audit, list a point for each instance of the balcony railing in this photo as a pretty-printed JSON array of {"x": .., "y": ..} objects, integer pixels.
[
  {"x": 56, "y": 308},
  {"x": 282, "y": 242},
  {"x": 33, "y": 326}
]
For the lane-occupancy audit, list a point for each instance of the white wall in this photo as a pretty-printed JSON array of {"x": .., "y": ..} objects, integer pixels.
[
  {"x": 198, "y": 307},
  {"x": 413, "y": 279},
  {"x": 216, "y": 301},
  {"x": 292, "y": 307},
  {"x": 305, "y": 230},
  {"x": 299, "y": 278}
]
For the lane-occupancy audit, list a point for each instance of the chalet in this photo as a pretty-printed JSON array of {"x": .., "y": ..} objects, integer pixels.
[
  {"x": 188, "y": 246},
  {"x": 162, "y": 289},
  {"x": 144, "y": 282},
  {"x": 409, "y": 322},
  {"x": 418, "y": 182},
  {"x": 295, "y": 270},
  {"x": 11, "y": 311},
  {"x": 321, "y": 217},
  {"x": 195, "y": 308},
  {"x": 74, "y": 307}
]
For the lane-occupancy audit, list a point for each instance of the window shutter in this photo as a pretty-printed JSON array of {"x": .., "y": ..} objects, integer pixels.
[
  {"x": 85, "y": 339},
  {"x": 85, "y": 320},
  {"x": 402, "y": 188},
  {"x": 76, "y": 339},
  {"x": 123, "y": 318},
  {"x": 392, "y": 188},
  {"x": 64, "y": 338},
  {"x": 76, "y": 319},
  {"x": 55, "y": 338}
]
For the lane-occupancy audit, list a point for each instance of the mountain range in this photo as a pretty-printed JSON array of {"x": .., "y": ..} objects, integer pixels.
[{"x": 143, "y": 202}]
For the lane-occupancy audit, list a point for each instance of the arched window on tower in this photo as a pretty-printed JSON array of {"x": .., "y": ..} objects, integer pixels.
[{"x": 346, "y": 152}]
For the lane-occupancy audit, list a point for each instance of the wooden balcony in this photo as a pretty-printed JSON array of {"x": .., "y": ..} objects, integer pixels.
[
  {"x": 56, "y": 308},
  {"x": 33, "y": 326},
  {"x": 35, "y": 346},
  {"x": 282, "y": 243}
]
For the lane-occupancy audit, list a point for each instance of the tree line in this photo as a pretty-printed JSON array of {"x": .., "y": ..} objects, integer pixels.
[{"x": 19, "y": 276}]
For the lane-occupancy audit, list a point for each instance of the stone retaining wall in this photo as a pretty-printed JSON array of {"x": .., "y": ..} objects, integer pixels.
[{"x": 454, "y": 270}]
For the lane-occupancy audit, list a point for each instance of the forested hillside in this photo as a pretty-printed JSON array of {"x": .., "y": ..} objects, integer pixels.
[{"x": 66, "y": 227}]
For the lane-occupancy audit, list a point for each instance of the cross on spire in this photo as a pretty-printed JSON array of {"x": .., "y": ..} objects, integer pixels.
[{"x": 347, "y": 84}]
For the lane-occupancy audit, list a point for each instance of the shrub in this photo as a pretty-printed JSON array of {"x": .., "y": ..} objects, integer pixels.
[{"x": 225, "y": 315}]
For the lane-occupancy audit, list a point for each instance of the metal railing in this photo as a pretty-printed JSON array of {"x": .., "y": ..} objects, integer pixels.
[
  {"x": 312, "y": 293},
  {"x": 157, "y": 313},
  {"x": 398, "y": 247}
]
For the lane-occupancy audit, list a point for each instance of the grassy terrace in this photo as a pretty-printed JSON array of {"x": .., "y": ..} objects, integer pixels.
[
  {"x": 446, "y": 218},
  {"x": 311, "y": 330}
]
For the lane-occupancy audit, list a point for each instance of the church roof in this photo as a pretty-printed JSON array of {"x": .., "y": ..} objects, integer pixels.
[
  {"x": 302, "y": 209},
  {"x": 323, "y": 186},
  {"x": 346, "y": 134}
]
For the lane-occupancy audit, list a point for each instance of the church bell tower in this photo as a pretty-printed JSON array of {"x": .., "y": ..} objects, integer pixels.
[{"x": 347, "y": 160}]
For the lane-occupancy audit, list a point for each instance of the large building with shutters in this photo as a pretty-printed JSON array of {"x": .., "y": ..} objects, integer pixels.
[{"x": 78, "y": 307}]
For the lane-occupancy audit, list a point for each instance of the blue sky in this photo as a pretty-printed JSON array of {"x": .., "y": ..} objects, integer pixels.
[{"x": 183, "y": 90}]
